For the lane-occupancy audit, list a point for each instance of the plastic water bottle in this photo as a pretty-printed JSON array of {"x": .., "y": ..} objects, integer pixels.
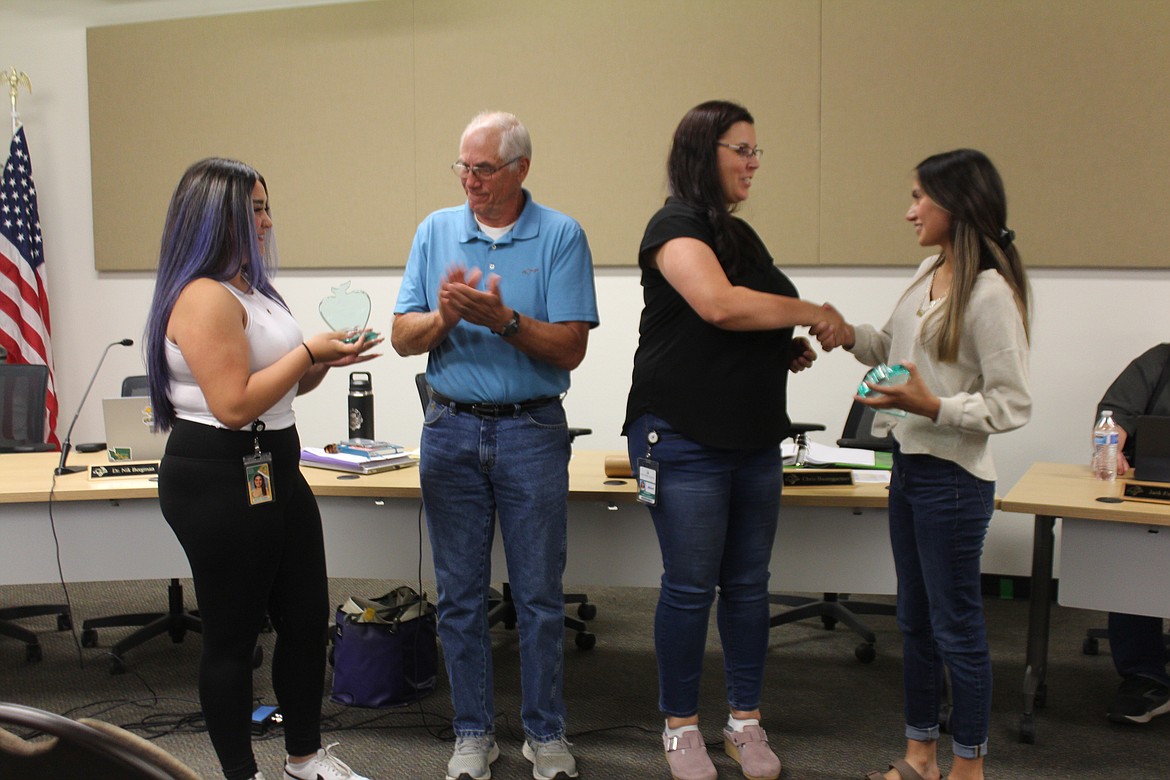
[{"x": 1105, "y": 435}]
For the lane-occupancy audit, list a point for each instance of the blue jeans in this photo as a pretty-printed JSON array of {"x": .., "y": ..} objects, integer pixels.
[
  {"x": 716, "y": 521},
  {"x": 1137, "y": 647},
  {"x": 471, "y": 469},
  {"x": 939, "y": 515}
]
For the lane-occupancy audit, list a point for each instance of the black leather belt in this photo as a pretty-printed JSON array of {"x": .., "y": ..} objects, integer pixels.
[{"x": 493, "y": 410}]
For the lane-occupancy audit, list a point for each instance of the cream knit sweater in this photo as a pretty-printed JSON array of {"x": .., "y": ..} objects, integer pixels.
[{"x": 984, "y": 391}]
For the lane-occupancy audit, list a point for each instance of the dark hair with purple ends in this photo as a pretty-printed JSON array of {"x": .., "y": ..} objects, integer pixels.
[
  {"x": 692, "y": 168},
  {"x": 210, "y": 232}
]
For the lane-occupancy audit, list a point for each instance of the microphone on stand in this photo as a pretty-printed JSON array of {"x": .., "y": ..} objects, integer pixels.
[{"x": 61, "y": 467}]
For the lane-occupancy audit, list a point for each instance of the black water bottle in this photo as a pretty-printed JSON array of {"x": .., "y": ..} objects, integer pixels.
[{"x": 361, "y": 405}]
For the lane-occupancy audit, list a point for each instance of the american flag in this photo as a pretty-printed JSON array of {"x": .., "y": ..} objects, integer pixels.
[{"x": 24, "y": 298}]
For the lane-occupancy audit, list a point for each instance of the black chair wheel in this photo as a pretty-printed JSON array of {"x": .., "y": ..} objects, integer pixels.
[
  {"x": 585, "y": 640},
  {"x": 117, "y": 665},
  {"x": 1027, "y": 730},
  {"x": 829, "y": 622},
  {"x": 865, "y": 653},
  {"x": 64, "y": 623},
  {"x": 1090, "y": 646},
  {"x": 89, "y": 637},
  {"x": 586, "y": 611},
  {"x": 257, "y": 657},
  {"x": 33, "y": 653}
]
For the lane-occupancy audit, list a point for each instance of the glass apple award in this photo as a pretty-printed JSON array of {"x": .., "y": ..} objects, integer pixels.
[{"x": 346, "y": 309}]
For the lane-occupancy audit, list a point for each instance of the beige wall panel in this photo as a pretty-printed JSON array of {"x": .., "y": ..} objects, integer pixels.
[
  {"x": 1068, "y": 99},
  {"x": 318, "y": 99},
  {"x": 602, "y": 85}
]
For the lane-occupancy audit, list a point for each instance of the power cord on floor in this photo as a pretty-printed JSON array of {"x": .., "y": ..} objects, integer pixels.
[{"x": 61, "y": 574}]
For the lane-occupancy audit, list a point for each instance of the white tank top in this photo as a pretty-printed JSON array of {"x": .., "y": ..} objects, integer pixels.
[{"x": 271, "y": 332}]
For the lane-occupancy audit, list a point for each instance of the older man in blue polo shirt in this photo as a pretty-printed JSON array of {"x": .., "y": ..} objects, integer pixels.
[{"x": 499, "y": 293}]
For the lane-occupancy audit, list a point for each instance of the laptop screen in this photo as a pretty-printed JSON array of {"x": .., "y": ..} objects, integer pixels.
[
  {"x": 1152, "y": 449},
  {"x": 129, "y": 435}
]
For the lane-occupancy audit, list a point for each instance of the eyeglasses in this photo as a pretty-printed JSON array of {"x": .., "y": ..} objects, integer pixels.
[
  {"x": 743, "y": 150},
  {"x": 483, "y": 172}
]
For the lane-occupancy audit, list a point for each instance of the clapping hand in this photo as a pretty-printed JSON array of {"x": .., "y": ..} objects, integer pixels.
[{"x": 459, "y": 295}]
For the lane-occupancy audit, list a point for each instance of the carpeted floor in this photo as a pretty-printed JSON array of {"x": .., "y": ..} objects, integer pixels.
[{"x": 829, "y": 715}]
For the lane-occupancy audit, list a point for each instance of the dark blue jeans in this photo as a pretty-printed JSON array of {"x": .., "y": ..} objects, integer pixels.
[
  {"x": 1137, "y": 646},
  {"x": 939, "y": 515},
  {"x": 472, "y": 469},
  {"x": 716, "y": 521}
]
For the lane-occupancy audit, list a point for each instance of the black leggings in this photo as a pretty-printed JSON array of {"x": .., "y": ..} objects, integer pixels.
[{"x": 249, "y": 561}]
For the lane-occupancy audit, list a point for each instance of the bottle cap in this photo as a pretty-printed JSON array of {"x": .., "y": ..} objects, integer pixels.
[{"x": 359, "y": 381}]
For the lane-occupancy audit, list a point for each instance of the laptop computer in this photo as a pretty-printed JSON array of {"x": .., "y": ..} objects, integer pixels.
[
  {"x": 128, "y": 429},
  {"x": 1151, "y": 452}
]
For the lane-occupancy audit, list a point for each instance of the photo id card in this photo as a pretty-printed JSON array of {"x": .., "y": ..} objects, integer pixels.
[
  {"x": 258, "y": 469},
  {"x": 648, "y": 481}
]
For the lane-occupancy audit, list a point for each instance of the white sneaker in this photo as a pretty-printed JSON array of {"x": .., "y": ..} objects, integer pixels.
[
  {"x": 323, "y": 766},
  {"x": 550, "y": 760},
  {"x": 472, "y": 759}
]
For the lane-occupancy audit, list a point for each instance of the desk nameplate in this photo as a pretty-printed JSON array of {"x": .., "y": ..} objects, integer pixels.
[
  {"x": 124, "y": 470},
  {"x": 818, "y": 477},
  {"x": 1154, "y": 493}
]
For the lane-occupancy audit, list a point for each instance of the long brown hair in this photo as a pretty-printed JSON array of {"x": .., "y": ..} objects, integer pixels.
[
  {"x": 966, "y": 184},
  {"x": 692, "y": 170}
]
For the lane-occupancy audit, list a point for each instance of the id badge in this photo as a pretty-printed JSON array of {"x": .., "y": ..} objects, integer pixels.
[
  {"x": 258, "y": 470},
  {"x": 648, "y": 481}
]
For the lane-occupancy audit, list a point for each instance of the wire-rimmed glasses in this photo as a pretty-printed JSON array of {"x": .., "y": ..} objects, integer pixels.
[
  {"x": 743, "y": 150},
  {"x": 482, "y": 171}
]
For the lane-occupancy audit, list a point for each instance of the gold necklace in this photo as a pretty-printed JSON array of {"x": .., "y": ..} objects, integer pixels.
[{"x": 927, "y": 304}]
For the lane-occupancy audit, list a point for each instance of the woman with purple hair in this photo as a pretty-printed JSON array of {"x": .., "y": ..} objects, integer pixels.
[{"x": 225, "y": 359}]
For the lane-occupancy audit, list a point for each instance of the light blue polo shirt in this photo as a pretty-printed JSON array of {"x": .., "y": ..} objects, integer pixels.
[{"x": 546, "y": 273}]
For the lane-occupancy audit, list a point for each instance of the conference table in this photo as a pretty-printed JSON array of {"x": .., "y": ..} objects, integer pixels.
[
  {"x": 1115, "y": 556},
  {"x": 830, "y": 539}
]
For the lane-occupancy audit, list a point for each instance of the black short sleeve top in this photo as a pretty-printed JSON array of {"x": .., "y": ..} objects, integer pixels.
[{"x": 722, "y": 388}]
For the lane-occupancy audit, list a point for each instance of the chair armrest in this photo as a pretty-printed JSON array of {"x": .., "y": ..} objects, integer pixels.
[
  {"x": 797, "y": 428},
  {"x": 866, "y": 444}
]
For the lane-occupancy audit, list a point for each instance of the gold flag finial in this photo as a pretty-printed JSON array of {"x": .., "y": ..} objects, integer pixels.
[{"x": 15, "y": 78}]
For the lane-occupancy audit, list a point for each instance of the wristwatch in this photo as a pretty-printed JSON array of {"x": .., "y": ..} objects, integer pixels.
[{"x": 512, "y": 327}]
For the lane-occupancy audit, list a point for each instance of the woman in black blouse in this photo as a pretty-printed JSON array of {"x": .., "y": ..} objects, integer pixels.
[{"x": 705, "y": 418}]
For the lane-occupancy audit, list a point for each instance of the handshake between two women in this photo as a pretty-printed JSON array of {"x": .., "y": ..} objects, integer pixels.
[{"x": 832, "y": 331}]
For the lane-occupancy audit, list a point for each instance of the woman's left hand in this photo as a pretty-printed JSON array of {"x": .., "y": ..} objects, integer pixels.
[
  {"x": 362, "y": 352},
  {"x": 802, "y": 355},
  {"x": 912, "y": 396}
]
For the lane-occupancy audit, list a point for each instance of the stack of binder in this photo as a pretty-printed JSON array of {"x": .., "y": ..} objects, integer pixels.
[{"x": 358, "y": 456}]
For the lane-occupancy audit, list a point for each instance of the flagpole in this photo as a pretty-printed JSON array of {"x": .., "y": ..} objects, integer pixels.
[{"x": 15, "y": 78}]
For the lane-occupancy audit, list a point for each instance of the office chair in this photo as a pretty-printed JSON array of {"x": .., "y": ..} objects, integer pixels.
[
  {"x": 501, "y": 607},
  {"x": 176, "y": 621},
  {"x": 80, "y": 750},
  {"x": 833, "y": 608},
  {"x": 22, "y": 429}
]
